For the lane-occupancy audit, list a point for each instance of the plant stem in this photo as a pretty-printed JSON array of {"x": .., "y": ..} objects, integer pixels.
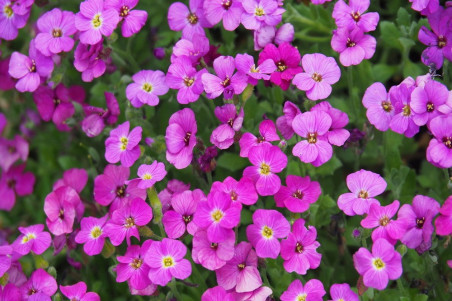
[{"x": 173, "y": 287}]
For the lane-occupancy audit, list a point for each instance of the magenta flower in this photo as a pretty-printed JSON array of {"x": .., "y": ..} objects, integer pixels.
[
  {"x": 230, "y": 11},
  {"x": 6, "y": 252},
  {"x": 439, "y": 151},
  {"x": 380, "y": 266},
  {"x": 379, "y": 217},
  {"x": 151, "y": 174},
  {"x": 287, "y": 60},
  {"x": 96, "y": 118},
  {"x": 132, "y": 268},
  {"x": 11, "y": 292},
  {"x": 353, "y": 14},
  {"x": 261, "y": 293},
  {"x": 94, "y": 21},
  {"x": 263, "y": 233},
  {"x": 181, "y": 138},
  {"x": 417, "y": 220},
  {"x": 217, "y": 215},
  {"x": 342, "y": 292},
  {"x": 242, "y": 191},
  {"x": 425, "y": 7},
  {"x": 91, "y": 60},
  {"x": 132, "y": 20},
  {"x": 426, "y": 100},
  {"x": 15, "y": 182},
  {"x": 225, "y": 82},
  {"x": 3, "y": 122},
  {"x": 320, "y": 72},
  {"x": 166, "y": 260},
  {"x": 55, "y": 28},
  {"x": 60, "y": 207},
  {"x": 314, "y": 127},
  {"x": 223, "y": 136},
  {"x": 267, "y": 160},
  {"x": 179, "y": 219},
  {"x": 122, "y": 145},
  {"x": 270, "y": 35},
  {"x": 166, "y": 195},
  {"x": 299, "y": 194},
  {"x": 267, "y": 131},
  {"x": 379, "y": 106},
  {"x": 92, "y": 234},
  {"x": 364, "y": 186},
  {"x": 299, "y": 249},
  {"x": 337, "y": 135},
  {"x": 241, "y": 271},
  {"x": 33, "y": 238},
  {"x": 146, "y": 87},
  {"x": 183, "y": 77},
  {"x": 125, "y": 221},
  {"x": 402, "y": 122},
  {"x": 353, "y": 45},
  {"x": 245, "y": 64},
  {"x": 194, "y": 49},
  {"x": 40, "y": 286},
  {"x": 443, "y": 223},
  {"x": 212, "y": 255},
  {"x": 29, "y": 69},
  {"x": 191, "y": 21},
  {"x": 11, "y": 21},
  {"x": 12, "y": 150},
  {"x": 284, "y": 123},
  {"x": 312, "y": 291},
  {"x": 78, "y": 292},
  {"x": 217, "y": 293},
  {"x": 75, "y": 178},
  {"x": 259, "y": 13}
]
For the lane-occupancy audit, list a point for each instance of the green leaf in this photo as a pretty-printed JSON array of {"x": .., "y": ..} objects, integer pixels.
[
  {"x": 403, "y": 17},
  {"x": 232, "y": 161},
  {"x": 383, "y": 72},
  {"x": 390, "y": 34}
]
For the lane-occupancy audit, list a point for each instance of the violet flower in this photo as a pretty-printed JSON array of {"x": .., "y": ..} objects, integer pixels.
[
  {"x": 150, "y": 174},
  {"x": 353, "y": 14},
  {"x": 60, "y": 207},
  {"x": 132, "y": 268},
  {"x": 241, "y": 191},
  {"x": 133, "y": 20},
  {"x": 212, "y": 255},
  {"x": 191, "y": 21},
  {"x": 223, "y": 136},
  {"x": 91, "y": 60},
  {"x": 380, "y": 109},
  {"x": 259, "y": 13},
  {"x": 353, "y": 45},
  {"x": 14, "y": 182},
  {"x": 230, "y": 11},
  {"x": 11, "y": 21},
  {"x": 146, "y": 87},
  {"x": 33, "y": 239},
  {"x": 267, "y": 134},
  {"x": 40, "y": 286},
  {"x": 92, "y": 234},
  {"x": 312, "y": 290},
  {"x": 299, "y": 194},
  {"x": 122, "y": 145},
  {"x": 245, "y": 63},
  {"x": 78, "y": 292}
]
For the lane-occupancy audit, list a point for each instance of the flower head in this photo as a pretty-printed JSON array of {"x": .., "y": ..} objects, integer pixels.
[
  {"x": 353, "y": 45},
  {"x": 40, "y": 286},
  {"x": 78, "y": 292},
  {"x": 379, "y": 106},
  {"x": 230, "y": 11},
  {"x": 190, "y": 20},
  {"x": 267, "y": 134},
  {"x": 33, "y": 238},
  {"x": 313, "y": 291},
  {"x": 132, "y": 268},
  {"x": 439, "y": 151},
  {"x": 212, "y": 255},
  {"x": 122, "y": 145},
  {"x": 299, "y": 193},
  {"x": 150, "y": 174},
  {"x": 146, "y": 87},
  {"x": 242, "y": 191},
  {"x": 92, "y": 234},
  {"x": 133, "y": 20}
]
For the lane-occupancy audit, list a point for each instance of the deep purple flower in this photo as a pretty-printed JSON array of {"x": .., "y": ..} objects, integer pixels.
[
  {"x": 12, "y": 150},
  {"x": 92, "y": 234},
  {"x": 78, "y": 292},
  {"x": 132, "y": 268},
  {"x": 132, "y": 20},
  {"x": 212, "y": 255},
  {"x": 230, "y": 11},
  {"x": 299, "y": 194},
  {"x": 146, "y": 87},
  {"x": 14, "y": 182},
  {"x": 312, "y": 291},
  {"x": 353, "y": 14},
  {"x": 190, "y": 20},
  {"x": 122, "y": 145},
  {"x": 269, "y": 34},
  {"x": 353, "y": 45}
]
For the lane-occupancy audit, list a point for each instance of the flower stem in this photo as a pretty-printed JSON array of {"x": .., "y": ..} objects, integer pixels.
[
  {"x": 173, "y": 287},
  {"x": 156, "y": 205}
]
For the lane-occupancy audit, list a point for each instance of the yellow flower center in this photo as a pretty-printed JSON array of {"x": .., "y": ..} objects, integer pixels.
[
  {"x": 442, "y": 41},
  {"x": 168, "y": 262},
  {"x": 56, "y": 33},
  {"x": 264, "y": 169},
  {"x": 192, "y": 18},
  {"x": 124, "y": 11},
  {"x": 406, "y": 110},
  {"x": 317, "y": 77},
  {"x": 189, "y": 81},
  {"x": 28, "y": 237},
  {"x": 259, "y": 12},
  {"x": 267, "y": 232},
  {"x": 312, "y": 138},
  {"x": 96, "y": 232},
  {"x": 363, "y": 194},
  {"x": 299, "y": 248},
  {"x": 350, "y": 43},
  {"x": 430, "y": 107},
  {"x": 147, "y": 176},
  {"x": 8, "y": 11},
  {"x": 147, "y": 87},
  {"x": 356, "y": 16},
  {"x": 97, "y": 21},
  {"x": 378, "y": 263},
  {"x": 387, "y": 106},
  {"x": 254, "y": 69},
  {"x": 301, "y": 297},
  {"x": 217, "y": 215},
  {"x": 136, "y": 263},
  {"x": 124, "y": 142},
  {"x": 281, "y": 66},
  {"x": 384, "y": 221},
  {"x": 130, "y": 222}
]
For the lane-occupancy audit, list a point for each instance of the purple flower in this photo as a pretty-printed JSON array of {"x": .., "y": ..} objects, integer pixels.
[
  {"x": 299, "y": 194},
  {"x": 299, "y": 249},
  {"x": 352, "y": 14},
  {"x": 6, "y": 252},
  {"x": 132, "y": 268},
  {"x": 75, "y": 178},
  {"x": 259, "y": 13},
  {"x": 92, "y": 234},
  {"x": 217, "y": 293},
  {"x": 263, "y": 233},
  {"x": 245, "y": 64},
  {"x": 33, "y": 238},
  {"x": 380, "y": 266},
  {"x": 426, "y": 100},
  {"x": 11, "y": 292},
  {"x": 166, "y": 260},
  {"x": 190, "y": 20},
  {"x": 267, "y": 131},
  {"x": 40, "y": 286},
  {"x": 132, "y": 20},
  {"x": 342, "y": 292},
  {"x": 12, "y": 150},
  {"x": 261, "y": 293},
  {"x": 364, "y": 186},
  {"x": 439, "y": 151},
  {"x": 379, "y": 106},
  {"x": 223, "y": 136},
  {"x": 94, "y": 21},
  {"x": 225, "y": 82},
  {"x": 230, "y": 11},
  {"x": 151, "y": 174},
  {"x": 242, "y": 191},
  {"x": 241, "y": 271},
  {"x": 78, "y": 292},
  {"x": 417, "y": 220},
  {"x": 194, "y": 49},
  {"x": 146, "y": 87},
  {"x": 29, "y": 69},
  {"x": 353, "y": 45},
  {"x": 212, "y": 255},
  {"x": 15, "y": 182},
  {"x": 183, "y": 77},
  {"x": 320, "y": 72},
  {"x": 91, "y": 60},
  {"x": 179, "y": 219},
  {"x": 166, "y": 195},
  {"x": 402, "y": 122},
  {"x": 97, "y": 118},
  {"x": 125, "y": 221},
  {"x": 181, "y": 138},
  {"x": 337, "y": 135},
  {"x": 217, "y": 215},
  {"x": 426, "y": 7},
  {"x": 443, "y": 223},
  {"x": 312, "y": 291},
  {"x": 314, "y": 127},
  {"x": 284, "y": 123},
  {"x": 10, "y": 20},
  {"x": 60, "y": 207},
  {"x": 55, "y": 28},
  {"x": 267, "y": 160},
  {"x": 122, "y": 145},
  {"x": 269, "y": 34}
]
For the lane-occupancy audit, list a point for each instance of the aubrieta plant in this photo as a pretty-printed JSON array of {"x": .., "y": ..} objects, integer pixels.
[{"x": 225, "y": 150}]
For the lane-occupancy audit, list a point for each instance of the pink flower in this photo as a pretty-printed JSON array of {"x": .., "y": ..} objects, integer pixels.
[
  {"x": 259, "y": 294},
  {"x": 132, "y": 268},
  {"x": 122, "y": 145},
  {"x": 439, "y": 151},
  {"x": 230, "y": 11},
  {"x": 258, "y": 13},
  {"x": 132, "y": 19},
  {"x": 12, "y": 150},
  {"x": 270, "y": 35},
  {"x": 337, "y": 135},
  {"x": 14, "y": 182},
  {"x": 166, "y": 260},
  {"x": 217, "y": 215},
  {"x": 60, "y": 207},
  {"x": 267, "y": 131},
  {"x": 217, "y": 293},
  {"x": 166, "y": 195},
  {"x": 299, "y": 194},
  {"x": 245, "y": 63},
  {"x": 402, "y": 122},
  {"x": 6, "y": 252},
  {"x": 312, "y": 291},
  {"x": 353, "y": 45},
  {"x": 284, "y": 123},
  {"x": 92, "y": 234},
  {"x": 443, "y": 223},
  {"x": 125, "y": 221},
  {"x": 314, "y": 127},
  {"x": 91, "y": 60},
  {"x": 299, "y": 249},
  {"x": 96, "y": 118},
  {"x": 11, "y": 292},
  {"x": 190, "y": 20},
  {"x": 380, "y": 266},
  {"x": 78, "y": 292},
  {"x": 364, "y": 186},
  {"x": 181, "y": 138},
  {"x": 75, "y": 178},
  {"x": 242, "y": 191},
  {"x": 151, "y": 174},
  {"x": 267, "y": 160},
  {"x": 379, "y": 106},
  {"x": 352, "y": 14},
  {"x": 40, "y": 286},
  {"x": 94, "y": 21},
  {"x": 33, "y": 238},
  {"x": 194, "y": 49},
  {"x": 241, "y": 271},
  {"x": 146, "y": 87},
  {"x": 342, "y": 292},
  {"x": 263, "y": 233},
  {"x": 320, "y": 72},
  {"x": 212, "y": 255},
  {"x": 179, "y": 219},
  {"x": 223, "y": 136},
  {"x": 426, "y": 100}
]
